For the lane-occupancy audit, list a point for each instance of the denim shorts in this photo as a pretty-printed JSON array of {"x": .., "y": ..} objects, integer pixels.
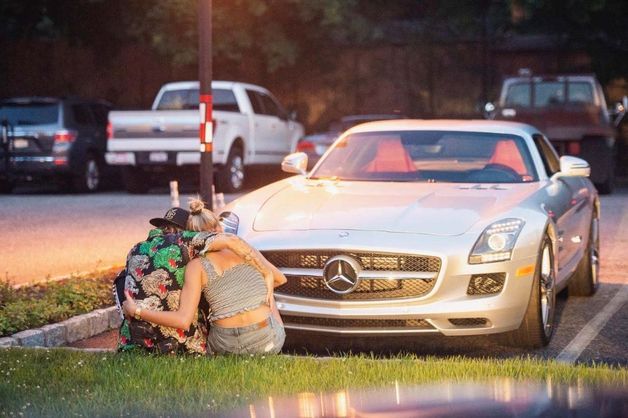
[{"x": 251, "y": 339}]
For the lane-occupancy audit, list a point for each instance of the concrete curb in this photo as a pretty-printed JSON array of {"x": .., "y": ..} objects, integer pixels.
[{"x": 74, "y": 329}]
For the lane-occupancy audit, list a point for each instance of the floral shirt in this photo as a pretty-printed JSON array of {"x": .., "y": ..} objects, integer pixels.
[{"x": 154, "y": 274}]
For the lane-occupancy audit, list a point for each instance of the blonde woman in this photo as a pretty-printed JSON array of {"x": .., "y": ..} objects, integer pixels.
[{"x": 242, "y": 314}]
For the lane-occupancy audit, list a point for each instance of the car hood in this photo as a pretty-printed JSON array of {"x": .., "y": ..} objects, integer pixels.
[{"x": 417, "y": 208}]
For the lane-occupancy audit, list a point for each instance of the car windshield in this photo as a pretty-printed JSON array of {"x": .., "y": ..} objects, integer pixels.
[
  {"x": 428, "y": 156},
  {"x": 32, "y": 113}
]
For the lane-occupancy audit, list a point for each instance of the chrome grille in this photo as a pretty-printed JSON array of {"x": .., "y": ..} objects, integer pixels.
[
  {"x": 310, "y": 284},
  {"x": 316, "y": 259},
  {"x": 313, "y": 287},
  {"x": 357, "y": 323}
]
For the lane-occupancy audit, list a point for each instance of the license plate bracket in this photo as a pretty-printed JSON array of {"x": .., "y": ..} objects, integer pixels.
[{"x": 158, "y": 157}]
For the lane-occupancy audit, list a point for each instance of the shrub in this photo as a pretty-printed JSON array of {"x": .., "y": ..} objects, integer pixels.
[{"x": 41, "y": 304}]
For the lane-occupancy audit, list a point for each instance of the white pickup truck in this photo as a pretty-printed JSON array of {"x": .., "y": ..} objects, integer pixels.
[{"x": 251, "y": 128}]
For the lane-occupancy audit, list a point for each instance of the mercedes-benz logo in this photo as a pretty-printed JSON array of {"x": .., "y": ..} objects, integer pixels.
[{"x": 341, "y": 274}]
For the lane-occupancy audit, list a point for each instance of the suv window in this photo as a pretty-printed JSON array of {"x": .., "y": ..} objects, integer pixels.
[
  {"x": 31, "y": 113},
  {"x": 548, "y": 154}
]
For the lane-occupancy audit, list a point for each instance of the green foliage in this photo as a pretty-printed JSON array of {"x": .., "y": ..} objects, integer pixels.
[
  {"x": 7, "y": 293},
  {"x": 65, "y": 383},
  {"x": 38, "y": 305}
]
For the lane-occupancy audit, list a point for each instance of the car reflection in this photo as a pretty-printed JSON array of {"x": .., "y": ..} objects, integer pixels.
[{"x": 494, "y": 398}]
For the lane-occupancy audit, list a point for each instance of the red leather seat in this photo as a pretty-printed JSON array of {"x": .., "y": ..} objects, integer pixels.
[
  {"x": 391, "y": 157},
  {"x": 506, "y": 153}
]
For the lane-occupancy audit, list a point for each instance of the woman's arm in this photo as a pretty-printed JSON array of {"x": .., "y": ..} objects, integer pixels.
[
  {"x": 188, "y": 302},
  {"x": 223, "y": 240},
  {"x": 278, "y": 276}
]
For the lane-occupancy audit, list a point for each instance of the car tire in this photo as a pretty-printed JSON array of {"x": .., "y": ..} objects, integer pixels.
[
  {"x": 230, "y": 178},
  {"x": 537, "y": 326},
  {"x": 89, "y": 178},
  {"x": 585, "y": 280},
  {"x": 135, "y": 180}
]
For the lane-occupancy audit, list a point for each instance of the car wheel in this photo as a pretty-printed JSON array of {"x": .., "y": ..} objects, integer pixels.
[
  {"x": 537, "y": 326},
  {"x": 88, "y": 180},
  {"x": 135, "y": 180},
  {"x": 231, "y": 176},
  {"x": 586, "y": 278}
]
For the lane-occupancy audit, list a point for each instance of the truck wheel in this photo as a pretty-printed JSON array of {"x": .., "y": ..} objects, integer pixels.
[
  {"x": 135, "y": 180},
  {"x": 88, "y": 180},
  {"x": 608, "y": 185},
  {"x": 537, "y": 326},
  {"x": 231, "y": 175},
  {"x": 585, "y": 280}
]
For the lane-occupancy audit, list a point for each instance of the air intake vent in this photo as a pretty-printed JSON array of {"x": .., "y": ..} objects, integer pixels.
[
  {"x": 357, "y": 323},
  {"x": 469, "y": 322}
]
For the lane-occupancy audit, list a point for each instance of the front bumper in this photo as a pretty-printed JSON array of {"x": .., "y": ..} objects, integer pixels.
[{"x": 447, "y": 308}]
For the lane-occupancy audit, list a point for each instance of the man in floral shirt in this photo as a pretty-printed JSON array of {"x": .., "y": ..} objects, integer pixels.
[{"x": 154, "y": 274}]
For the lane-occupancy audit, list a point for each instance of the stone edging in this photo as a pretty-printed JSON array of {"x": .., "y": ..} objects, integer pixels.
[{"x": 74, "y": 329}]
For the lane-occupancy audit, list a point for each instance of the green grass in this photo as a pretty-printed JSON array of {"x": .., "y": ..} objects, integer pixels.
[{"x": 65, "y": 383}]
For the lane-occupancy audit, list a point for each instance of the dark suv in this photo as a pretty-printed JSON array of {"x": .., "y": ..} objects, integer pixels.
[{"x": 53, "y": 138}]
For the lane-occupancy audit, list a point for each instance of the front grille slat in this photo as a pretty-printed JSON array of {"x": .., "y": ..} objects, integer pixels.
[{"x": 303, "y": 269}]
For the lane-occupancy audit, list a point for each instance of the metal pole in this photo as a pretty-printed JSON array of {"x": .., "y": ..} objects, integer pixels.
[{"x": 205, "y": 99}]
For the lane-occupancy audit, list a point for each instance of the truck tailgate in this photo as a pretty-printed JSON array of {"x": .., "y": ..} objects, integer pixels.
[{"x": 137, "y": 130}]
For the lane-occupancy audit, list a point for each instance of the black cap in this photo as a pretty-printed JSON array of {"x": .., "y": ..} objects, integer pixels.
[{"x": 174, "y": 217}]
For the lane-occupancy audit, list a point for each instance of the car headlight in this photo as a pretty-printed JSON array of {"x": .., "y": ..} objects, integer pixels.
[
  {"x": 496, "y": 242},
  {"x": 229, "y": 222}
]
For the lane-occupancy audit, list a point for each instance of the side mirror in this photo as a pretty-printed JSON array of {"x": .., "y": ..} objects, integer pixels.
[
  {"x": 619, "y": 110},
  {"x": 489, "y": 110},
  {"x": 295, "y": 163},
  {"x": 573, "y": 167}
]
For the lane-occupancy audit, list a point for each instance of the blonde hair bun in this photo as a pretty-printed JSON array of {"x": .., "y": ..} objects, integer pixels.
[{"x": 196, "y": 206}]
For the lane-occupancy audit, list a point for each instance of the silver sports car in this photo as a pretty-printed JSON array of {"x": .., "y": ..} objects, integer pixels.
[{"x": 416, "y": 227}]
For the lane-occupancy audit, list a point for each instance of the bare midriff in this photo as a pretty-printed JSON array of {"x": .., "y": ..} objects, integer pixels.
[{"x": 244, "y": 319}]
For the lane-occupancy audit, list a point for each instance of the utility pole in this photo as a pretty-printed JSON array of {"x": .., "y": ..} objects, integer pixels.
[{"x": 205, "y": 100}]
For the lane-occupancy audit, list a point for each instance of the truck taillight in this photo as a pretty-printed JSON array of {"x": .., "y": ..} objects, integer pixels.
[
  {"x": 64, "y": 136},
  {"x": 304, "y": 146},
  {"x": 109, "y": 130}
]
